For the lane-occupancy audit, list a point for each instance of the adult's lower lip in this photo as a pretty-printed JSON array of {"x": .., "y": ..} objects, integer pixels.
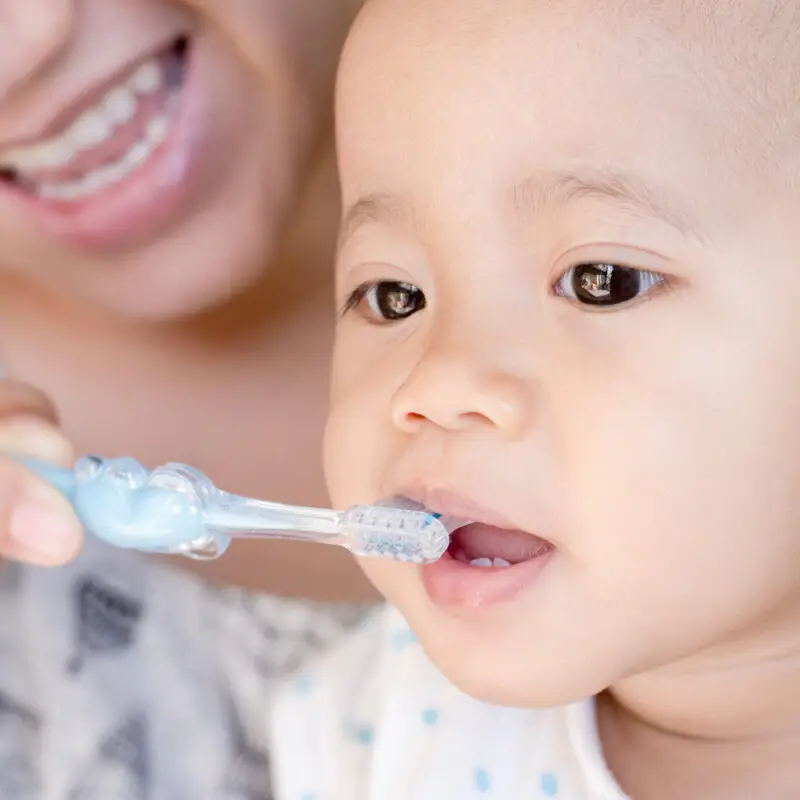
[
  {"x": 151, "y": 199},
  {"x": 452, "y": 583}
]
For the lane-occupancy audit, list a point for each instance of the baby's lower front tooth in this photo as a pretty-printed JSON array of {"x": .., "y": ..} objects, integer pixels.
[
  {"x": 501, "y": 562},
  {"x": 481, "y": 562}
]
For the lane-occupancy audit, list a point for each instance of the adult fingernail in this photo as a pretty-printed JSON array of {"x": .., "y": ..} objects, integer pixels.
[
  {"x": 45, "y": 529},
  {"x": 33, "y": 437}
]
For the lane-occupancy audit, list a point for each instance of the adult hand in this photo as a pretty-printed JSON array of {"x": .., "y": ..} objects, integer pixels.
[{"x": 37, "y": 524}]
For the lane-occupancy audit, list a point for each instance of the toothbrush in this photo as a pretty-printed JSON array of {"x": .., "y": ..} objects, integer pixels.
[{"x": 176, "y": 509}]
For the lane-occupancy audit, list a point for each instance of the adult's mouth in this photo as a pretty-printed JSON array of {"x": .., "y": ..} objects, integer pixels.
[
  {"x": 110, "y": 132},
  {"x": 108, "y": 167}
]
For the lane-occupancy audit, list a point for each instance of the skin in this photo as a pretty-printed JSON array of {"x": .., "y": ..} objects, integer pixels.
[
  {"x": 216, "y": 329},
  {"x": 252, "y": 180},
  {"x": 654, "y": 442}
]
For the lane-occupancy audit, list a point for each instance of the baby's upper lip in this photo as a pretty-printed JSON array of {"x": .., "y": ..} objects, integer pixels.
[{"x": 450, "y": 503}]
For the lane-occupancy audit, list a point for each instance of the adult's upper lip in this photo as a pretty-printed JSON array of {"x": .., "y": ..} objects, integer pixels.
[{"x": 90, "y": 96}]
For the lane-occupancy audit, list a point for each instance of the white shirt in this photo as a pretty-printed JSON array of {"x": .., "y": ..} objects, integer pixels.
[{"x": 373, "y": 719}]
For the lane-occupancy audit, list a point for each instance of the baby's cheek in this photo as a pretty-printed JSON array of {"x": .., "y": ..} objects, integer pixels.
[
  {"x": 338, "y": 478},
  {"x": 395, "y": 581},
  {"x": 349, "y": 457}
]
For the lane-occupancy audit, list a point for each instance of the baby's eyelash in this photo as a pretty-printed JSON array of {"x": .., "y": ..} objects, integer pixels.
[{"x": 354, "y": 298}]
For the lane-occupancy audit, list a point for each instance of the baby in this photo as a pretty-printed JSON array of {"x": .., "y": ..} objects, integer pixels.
[{"x": 569, "y": 313}]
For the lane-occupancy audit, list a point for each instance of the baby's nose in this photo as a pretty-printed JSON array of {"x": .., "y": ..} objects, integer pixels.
[{"x": 455, "y": 389}]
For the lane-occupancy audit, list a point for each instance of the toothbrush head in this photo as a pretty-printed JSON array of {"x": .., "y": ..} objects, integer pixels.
[{"x": 399, "y": 529}]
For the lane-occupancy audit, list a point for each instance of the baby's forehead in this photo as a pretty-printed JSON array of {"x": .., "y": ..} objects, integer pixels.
[{"x": 600, "y": 72}]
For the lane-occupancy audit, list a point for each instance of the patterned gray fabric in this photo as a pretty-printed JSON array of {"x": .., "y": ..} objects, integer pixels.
[{"x": 121, "y": 679}]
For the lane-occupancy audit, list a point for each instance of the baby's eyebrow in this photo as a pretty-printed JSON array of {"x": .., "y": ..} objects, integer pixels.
[
  {"x": 547, "y": 189},
  {"x": 535, "y": 193},
  {"x": 375, "y": 207}
]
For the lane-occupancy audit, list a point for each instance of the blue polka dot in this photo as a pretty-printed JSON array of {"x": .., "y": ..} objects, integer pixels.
[
  {"x": 303, "y": 684},
  {"x": 549, "y": 784},
  {"x": 364, "y": 734},
  {"x": 308, "y": 796},
  {"x": 403, "y": 638},
  {"x": 482, "y": 780},
  {"x": 430, "y": 716}
]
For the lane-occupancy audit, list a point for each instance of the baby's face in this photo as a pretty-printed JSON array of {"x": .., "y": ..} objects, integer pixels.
[{"x": 569, "y": 310}]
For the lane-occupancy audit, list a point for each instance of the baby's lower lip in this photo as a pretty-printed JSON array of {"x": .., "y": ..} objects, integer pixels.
[{"x": 470, "y": 583}]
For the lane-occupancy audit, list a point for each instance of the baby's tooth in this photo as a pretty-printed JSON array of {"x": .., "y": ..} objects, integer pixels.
[
  {"x": 501, "y": 562},
  {"x": 481, "y": 562}
]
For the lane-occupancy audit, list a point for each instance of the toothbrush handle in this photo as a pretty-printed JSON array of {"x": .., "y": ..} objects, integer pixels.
[
  {"x": 224, "y": 515},
  {"x": 243, "y": 517}
]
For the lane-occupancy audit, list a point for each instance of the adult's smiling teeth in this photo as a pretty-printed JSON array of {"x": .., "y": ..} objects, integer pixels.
[
  {"x": 108, "y": 141},
  {"x": 112, "y": 172}
]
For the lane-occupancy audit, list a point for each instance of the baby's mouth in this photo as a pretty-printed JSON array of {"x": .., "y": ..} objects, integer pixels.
[
  {"x": 487, "y": 546},
  {"x": 114, "y": 134}
]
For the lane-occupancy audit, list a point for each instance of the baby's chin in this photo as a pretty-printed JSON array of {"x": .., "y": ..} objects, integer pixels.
[
  {"x": 506, "y": 674},
  {"x": 536, "y": 692}
]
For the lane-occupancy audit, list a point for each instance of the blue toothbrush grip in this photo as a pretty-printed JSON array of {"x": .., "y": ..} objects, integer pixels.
[{"x": 59, "y": 478}]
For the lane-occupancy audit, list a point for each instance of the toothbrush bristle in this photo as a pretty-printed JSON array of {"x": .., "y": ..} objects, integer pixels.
[{"x": 404, "y": 534}]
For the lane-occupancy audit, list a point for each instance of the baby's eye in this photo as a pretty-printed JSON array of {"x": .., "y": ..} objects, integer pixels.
[
  {"x": 387, "y": 301},
  {"x": 605, "y": 284}
]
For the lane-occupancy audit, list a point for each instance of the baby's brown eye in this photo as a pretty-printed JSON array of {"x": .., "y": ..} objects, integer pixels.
[
  {"x": 388, "y": 301},
  {"x": 605, "y": 284}
]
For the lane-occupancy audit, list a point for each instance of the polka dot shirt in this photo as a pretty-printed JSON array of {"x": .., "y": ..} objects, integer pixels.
[{"x": 374, "y": 720}]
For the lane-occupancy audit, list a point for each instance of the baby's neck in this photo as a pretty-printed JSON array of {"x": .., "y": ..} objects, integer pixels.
[{"x": 729, "y": 732}]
